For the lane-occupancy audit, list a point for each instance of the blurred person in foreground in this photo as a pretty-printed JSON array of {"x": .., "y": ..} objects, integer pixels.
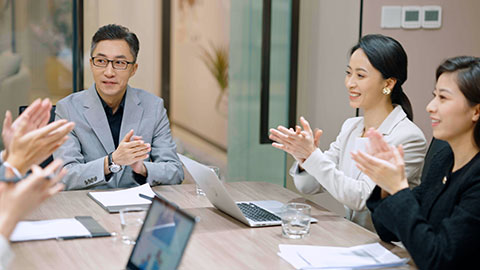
[
  {"x": 28, "y": 141},
  {"x": 20, "y": 198}
]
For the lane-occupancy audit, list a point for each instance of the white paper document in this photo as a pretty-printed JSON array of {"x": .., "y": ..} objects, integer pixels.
[
  {"x": 113, "y": 201},
  {"x": 49, "y": 229},
  {"x": 322, "y": 257}
]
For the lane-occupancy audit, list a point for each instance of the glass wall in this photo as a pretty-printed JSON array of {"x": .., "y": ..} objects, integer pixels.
[
  {"x": 200, "y": 38},
  {"x": 36, "y": 52},
  {"x": 248, "y": 159}
]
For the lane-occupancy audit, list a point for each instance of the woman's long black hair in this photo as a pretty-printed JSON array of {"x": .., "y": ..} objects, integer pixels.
[{"x": 388, "y": 56}]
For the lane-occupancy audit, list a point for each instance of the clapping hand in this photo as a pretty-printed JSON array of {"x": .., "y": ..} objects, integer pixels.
[
  {"x": 35, "y": 116},
  {"x": 32, "y": 147},
  {"x": 132, "y": 150},
  {"x": 298, "y": 143},
  {"x": 383, "y": 163},
  {"x": 138, "y": 166}
]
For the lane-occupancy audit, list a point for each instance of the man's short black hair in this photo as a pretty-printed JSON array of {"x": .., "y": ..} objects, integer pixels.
[{"x": 116, "y": 32}]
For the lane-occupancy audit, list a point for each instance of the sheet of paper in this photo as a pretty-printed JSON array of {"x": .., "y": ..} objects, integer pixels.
[
  {"x": 322, "y": 257},
  {"x": 124, "y": 197},
  {"x": 48, "y": 229}
]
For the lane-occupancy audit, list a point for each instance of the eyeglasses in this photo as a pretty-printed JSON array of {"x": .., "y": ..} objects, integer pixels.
[{"x": 116, "y": 64}]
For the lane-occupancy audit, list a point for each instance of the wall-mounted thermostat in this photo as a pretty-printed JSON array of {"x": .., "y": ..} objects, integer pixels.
[
  {"x": 432, "y": 17},
  {"x": 391, "y": 17},
  {"x": 411, "y": 17}
]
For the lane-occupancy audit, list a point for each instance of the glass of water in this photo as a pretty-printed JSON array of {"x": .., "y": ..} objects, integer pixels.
[
  {"x": 296, "y": 220},
  {"x": 131, "y": 221}
]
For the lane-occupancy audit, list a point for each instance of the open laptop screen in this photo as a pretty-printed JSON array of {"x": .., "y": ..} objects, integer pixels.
[{"x": 163, "y": 237}]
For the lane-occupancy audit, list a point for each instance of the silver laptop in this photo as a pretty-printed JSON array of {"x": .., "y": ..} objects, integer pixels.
[{"x": 252, "y": 213}]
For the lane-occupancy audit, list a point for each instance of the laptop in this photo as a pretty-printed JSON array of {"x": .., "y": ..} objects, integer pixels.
[
  {"x": 252, "y": 213},
  {"x": 163, "y": 238}
]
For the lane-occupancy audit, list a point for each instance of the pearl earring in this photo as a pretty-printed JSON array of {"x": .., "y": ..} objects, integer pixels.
[{"x": 386, "y": 91}]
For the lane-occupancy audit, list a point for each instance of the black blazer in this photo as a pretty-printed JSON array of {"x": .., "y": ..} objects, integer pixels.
[{"x": 439, "y": 223}]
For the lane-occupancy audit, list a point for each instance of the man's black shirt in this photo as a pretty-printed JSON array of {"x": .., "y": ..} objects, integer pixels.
[{"x": 115, "y": 123}]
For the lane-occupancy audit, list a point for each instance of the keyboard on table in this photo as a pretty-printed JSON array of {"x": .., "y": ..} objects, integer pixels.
[{"x": 256, "y": 213}]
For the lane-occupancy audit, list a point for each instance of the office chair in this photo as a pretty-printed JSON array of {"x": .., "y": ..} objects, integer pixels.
[{"x": 52, "y": 118}]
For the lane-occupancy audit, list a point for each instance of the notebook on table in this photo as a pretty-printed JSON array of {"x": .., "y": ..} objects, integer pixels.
[
  {"x": 60, "y": 229},
  {"x": 252, "y": 213},
  {"x": 163, "y": 237},
  {"x": 113, "y": 201}
]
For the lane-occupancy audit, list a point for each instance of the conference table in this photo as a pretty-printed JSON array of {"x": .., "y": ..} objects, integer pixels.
[{"x": 218, "y": 242}]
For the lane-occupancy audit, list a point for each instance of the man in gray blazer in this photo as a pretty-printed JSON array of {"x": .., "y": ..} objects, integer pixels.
[{"x": 122, "y": 134}]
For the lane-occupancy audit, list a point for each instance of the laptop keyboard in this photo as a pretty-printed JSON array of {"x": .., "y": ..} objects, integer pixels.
[{"x": 256, "y": 213}]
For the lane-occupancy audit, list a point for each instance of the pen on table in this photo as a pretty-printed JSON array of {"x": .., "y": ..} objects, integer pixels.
[
  {"x": 145, "y": 196},
  {"x": 73, "y": 237}
]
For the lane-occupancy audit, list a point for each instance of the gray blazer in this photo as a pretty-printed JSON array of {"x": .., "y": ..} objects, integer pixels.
[{"x": 91, "y": 140}]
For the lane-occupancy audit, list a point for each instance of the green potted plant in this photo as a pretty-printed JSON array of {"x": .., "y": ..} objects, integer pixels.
[{"x": 216, "y": 60}]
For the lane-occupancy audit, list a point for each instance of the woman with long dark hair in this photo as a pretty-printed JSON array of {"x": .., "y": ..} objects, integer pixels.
[
  {"x": 374, "y": 77},
  {"x": 439, "y": 221}
]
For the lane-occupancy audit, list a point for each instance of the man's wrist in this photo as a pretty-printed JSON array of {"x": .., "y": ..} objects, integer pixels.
[
  {"x": 112, "y": 166},
  {"x": 105, "y": 166},
  {"x": 140, "y": 169},
  {"x": 113, "y": 155}
]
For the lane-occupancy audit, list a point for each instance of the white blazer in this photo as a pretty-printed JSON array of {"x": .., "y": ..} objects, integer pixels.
[{"x": 335, "y": 171}]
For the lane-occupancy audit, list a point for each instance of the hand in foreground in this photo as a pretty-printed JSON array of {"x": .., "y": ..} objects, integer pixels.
[
  {"x": 384, "y": 163},
  {"x": 130, "y": 150},
  {"x": 32, "y": 147},
  {"x": 19, "y": 199},
  {"x": 298, "y": 143},
  {"x": 36, "y": 116}
]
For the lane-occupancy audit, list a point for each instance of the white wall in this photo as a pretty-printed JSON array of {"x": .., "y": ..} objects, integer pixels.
[
  {"x": 141, "y": 17},
  {"x": 427, "y": 48}
]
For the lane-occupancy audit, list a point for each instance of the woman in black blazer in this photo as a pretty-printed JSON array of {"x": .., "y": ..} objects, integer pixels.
[{"x": 439, "y": 221}]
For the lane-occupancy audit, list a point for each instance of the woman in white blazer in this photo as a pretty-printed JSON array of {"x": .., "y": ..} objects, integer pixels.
[{"x": 374, "y": 77}]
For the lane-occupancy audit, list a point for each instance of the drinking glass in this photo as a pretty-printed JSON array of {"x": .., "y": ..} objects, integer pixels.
[
  {"x": 296, "y": 220},
  {"x": 131, "y": 220}
]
